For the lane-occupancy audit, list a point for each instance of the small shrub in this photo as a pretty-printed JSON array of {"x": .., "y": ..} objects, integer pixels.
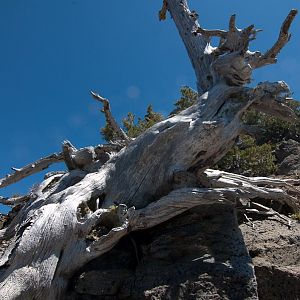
[
  {"x": 248, "y": 158},
  {"x": 296, "y": 216}
]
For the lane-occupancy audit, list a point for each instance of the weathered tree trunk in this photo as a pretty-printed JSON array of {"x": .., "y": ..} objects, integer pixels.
[{"x": 75, "y": 217}]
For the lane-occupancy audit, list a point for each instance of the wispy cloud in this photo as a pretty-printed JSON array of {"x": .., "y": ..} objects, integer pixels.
[{"x": 133, "y": 92}]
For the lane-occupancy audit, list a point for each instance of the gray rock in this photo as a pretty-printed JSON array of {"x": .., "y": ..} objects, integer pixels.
[
  {"x": 275, "y": 249},
  {"x": 198, "y": 255},
  {"x": 288, "y": 158}
]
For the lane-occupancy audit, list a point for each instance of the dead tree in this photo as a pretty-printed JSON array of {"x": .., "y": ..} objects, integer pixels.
[{"x": 130, "y": 185}]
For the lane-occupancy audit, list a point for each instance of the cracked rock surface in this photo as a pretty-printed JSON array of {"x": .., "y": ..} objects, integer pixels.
[{"x": 275, "y": 250}]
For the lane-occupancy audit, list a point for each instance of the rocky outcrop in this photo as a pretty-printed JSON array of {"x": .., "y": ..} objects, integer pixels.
[
  {"x": 288, "y": 158},
  {"x": 198, "y": 255},
  {"x": 275, "y": 249}
]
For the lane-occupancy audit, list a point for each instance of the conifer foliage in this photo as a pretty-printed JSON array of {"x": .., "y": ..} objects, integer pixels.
[{"x": 132, "y": 127}]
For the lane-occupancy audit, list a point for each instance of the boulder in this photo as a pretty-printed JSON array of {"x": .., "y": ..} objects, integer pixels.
[
  {"x": 274, "y": 246},
  {"x": 288, "y": 158}
]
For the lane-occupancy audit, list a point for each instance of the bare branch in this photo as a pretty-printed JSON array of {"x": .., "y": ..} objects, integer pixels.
[
  {"x": 179, "y": 201},
  {"x": 246, "y": 37},
  {"x": 236, "y": 39},
  {"x": 232, "y": 26},
  {"x": 14, "y": 200},
  {"x": 110, "y": 119},
  {"x": 70, "y": 155},
  {"x": 284, "y": 36},
  {"x": 240, "y": 179},
  {"x": 174, "y": 204},
  {"x": 252, "y": 187},
  {"x": 226, "y": 188},
  {"x": 163, "y": 12},
  {"x": 155, "y": 213},
  {"x": 32, "y": 168}
]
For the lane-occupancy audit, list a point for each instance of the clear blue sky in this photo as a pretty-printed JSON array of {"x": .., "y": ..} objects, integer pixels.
[{"x": 54, "y": 52}]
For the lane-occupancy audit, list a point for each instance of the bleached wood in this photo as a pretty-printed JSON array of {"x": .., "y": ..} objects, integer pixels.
[
  {"x": 31, "y": 168},
  {"x": 195, "y": 44},
  {"x": 262, "y": 187},
  {"x": 78, "y": 216},
  {"x": 73, "y": 158},
  {"x": 270, "y": 57},
  {"x": 68, "y": 151}
]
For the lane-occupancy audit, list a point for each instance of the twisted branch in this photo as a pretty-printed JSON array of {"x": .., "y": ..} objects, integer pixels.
[{"x": 284, "y": 36}]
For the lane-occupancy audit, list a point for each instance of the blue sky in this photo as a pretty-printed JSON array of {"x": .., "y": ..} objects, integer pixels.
[{"x": 54, "y": 52}]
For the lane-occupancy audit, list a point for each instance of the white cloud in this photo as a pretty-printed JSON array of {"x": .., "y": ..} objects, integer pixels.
[
  {"x": 75, "y": 121},
  {"x": 133, "y": 92}
]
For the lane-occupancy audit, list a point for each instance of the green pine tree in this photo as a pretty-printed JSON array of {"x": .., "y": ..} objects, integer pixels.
[
  {"x": 187, "y": 99},
  {"x": 134, "y": 129},
  {"x": 131, "y": 127}
]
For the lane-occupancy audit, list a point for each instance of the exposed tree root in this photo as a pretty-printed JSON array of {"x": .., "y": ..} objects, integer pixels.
[{"x": 284, "y": 191}]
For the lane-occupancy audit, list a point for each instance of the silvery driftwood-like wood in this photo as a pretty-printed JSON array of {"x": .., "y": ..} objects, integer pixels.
[{"x": 70, "y": 219}]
